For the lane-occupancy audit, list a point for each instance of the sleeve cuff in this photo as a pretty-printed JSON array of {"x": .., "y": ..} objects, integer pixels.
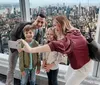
[{"x": 51, "y": 45}]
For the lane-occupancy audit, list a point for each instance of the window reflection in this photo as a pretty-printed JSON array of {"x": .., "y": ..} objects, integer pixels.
[{"x": 9, "y": 17}]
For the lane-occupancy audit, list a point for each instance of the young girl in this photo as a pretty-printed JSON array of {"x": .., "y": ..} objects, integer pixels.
[
  {"x": 51, "y": 59},
  {"x": 28, "y": 62}
]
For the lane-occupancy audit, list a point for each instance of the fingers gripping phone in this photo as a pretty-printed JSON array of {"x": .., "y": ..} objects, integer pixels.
[{"x": 14, "y": 44}]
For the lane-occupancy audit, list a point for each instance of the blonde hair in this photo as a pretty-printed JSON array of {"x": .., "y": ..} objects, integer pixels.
[
  {"x": 64, "y": 23},
  {"x": 53, "y": 30}
]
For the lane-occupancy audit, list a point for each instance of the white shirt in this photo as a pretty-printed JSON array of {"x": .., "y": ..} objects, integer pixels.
[{"x": 53, "y": 57}]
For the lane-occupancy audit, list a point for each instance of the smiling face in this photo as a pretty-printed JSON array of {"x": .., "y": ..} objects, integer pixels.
[
  {"x": 40, "y": 21},
  {"x": 57, "y": 26},
  {"x": 28, "y": 33},
  {"x": 50, "y": 34},
  {"x": 61, "y": 24}
]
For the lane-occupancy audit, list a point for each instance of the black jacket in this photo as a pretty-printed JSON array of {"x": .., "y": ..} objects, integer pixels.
[{"x": 17, "y": 33}]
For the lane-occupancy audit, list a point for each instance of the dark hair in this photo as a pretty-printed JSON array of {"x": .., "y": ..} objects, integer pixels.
[{"x": 41, "y": 15}]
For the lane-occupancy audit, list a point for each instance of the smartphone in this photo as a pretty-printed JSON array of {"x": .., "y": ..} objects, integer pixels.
[{"x": 14, "y": 44}]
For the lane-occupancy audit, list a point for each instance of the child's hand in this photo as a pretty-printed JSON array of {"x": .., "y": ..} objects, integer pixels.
[
  {"x": 44, "y": 64},
  {"x": 48, "y": 67},
  {"x": 38, "y": 71},
  {"x": 23, "y": 73},
  {"x": 20, "y": 50}
]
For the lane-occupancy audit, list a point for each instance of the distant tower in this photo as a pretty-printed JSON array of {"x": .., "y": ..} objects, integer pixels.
[
  {"x": 64, "y": 5},
  {"x": 79, "y": 9},
  {"x": 58, "y": 5},
  {"x": 12, "y": 10}
]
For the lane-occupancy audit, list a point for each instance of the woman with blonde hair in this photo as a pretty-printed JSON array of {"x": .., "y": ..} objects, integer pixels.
[{"x": 74, "y": 45}]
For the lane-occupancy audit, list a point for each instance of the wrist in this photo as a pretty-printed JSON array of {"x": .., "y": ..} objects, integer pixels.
[{"x": 31, "y": 51}]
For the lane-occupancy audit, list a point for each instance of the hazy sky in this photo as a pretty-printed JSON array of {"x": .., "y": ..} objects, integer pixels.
[
  {"x": 46, "y": 2},
  {"x": 52, "y": 1}
]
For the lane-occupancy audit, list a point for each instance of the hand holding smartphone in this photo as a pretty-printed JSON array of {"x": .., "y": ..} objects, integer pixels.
[{"x": 14, "y": 44}]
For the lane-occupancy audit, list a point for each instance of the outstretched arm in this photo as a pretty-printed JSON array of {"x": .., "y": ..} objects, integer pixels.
[
  {"x": 27, "y": 48},
  {"x": 63, "y": 46}
]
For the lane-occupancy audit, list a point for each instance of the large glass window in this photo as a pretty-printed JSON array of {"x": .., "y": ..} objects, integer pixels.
[
  {"x": 9, "y": 17},
  {"x": 82, "y": 14}
]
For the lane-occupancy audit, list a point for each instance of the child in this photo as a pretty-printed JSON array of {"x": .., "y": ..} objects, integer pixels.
[
  {"x": 28, "y": 62},
  {"x": 51, "y": 60}
]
